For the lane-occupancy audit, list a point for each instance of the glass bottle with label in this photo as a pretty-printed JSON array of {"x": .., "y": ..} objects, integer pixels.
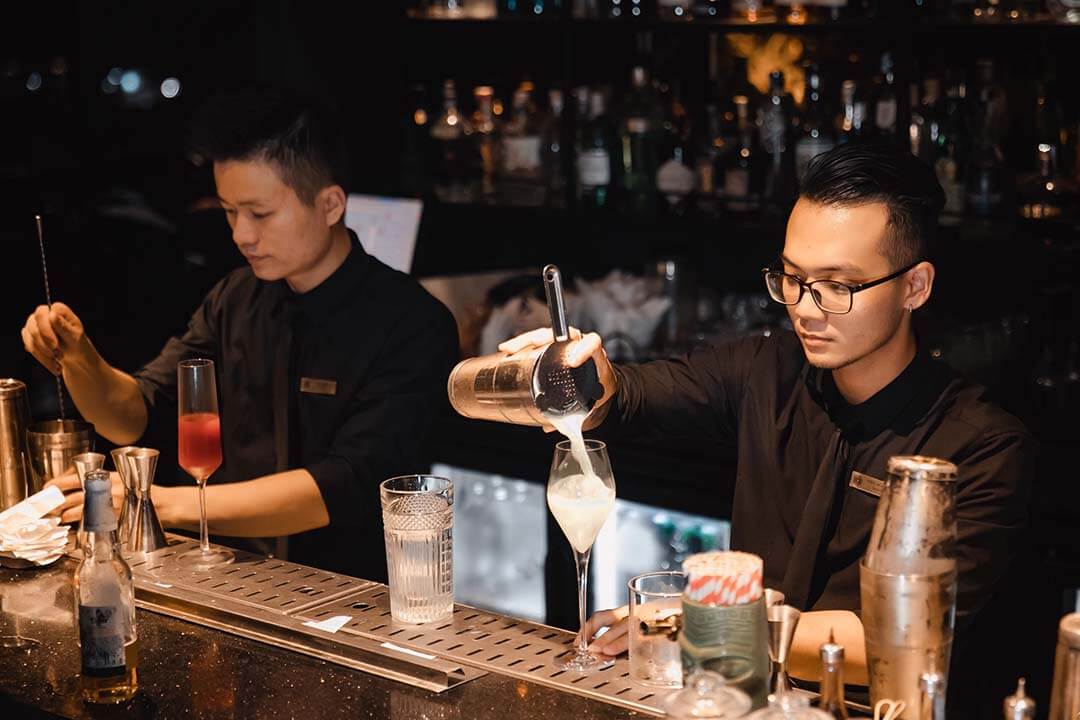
[
  {"x": 815, "y": 134},
  {"x": 552, "y": 151},
  {"x": 741, "y": 181},
  {"x": 522, "y": 166},
  {"x": 105, "y": 603},
  {"x": 595, "y": 163},
  {"x": 452, "y": 136},
  {"x": 986, "y": 164},
  {"x": 675, "y": 180},
  {"x": 774, "y": 124},
  {"x": 486, "y": 137},
  {"x": 849, "y": 123},
  {"x": 637, "y": 136},
  {"x": 885, "y": 100}
]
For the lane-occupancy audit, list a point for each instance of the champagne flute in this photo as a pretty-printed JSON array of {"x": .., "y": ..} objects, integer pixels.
[
  {"x": 200, "y": 446},
  {"x": 581, "y": 494}
]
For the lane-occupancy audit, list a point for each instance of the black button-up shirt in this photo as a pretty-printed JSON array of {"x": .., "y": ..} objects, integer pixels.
[
  {"x": 799, "y": 442},
  {"x": 386, "y": 346}
]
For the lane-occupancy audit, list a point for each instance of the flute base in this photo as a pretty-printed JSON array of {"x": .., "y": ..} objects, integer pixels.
[
  {"x": 584, "y": 663},
  {"x": 205, "y": 560}
]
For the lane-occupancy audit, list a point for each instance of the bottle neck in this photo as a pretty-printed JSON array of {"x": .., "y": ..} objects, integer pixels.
[
  {"x": 101, "y": 546},
  {"x": 832, "y": 688}
]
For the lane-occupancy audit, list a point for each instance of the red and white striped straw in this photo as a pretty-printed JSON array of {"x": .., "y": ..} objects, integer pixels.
[{"x": 723, "y": 578}]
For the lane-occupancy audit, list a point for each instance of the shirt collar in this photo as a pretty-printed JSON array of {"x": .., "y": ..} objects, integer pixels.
[
  {"x": 897, "y": 407},
  {"x": 328, "y": 295}
]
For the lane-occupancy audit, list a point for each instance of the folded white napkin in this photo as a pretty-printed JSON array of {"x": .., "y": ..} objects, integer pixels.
[{"x": 27, "y": 536}]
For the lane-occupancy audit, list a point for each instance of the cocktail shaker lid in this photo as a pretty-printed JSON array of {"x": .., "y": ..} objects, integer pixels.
[
  {"x": 10, "y": 387},
  {"x": 922, "y": 467}
]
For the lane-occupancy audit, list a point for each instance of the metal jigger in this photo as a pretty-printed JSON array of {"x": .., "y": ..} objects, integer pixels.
[
  {"x": 783, "y": 619},
  {"x": 84, "y": 463},
  {"x": 131, "y": 500},
  {"x": 146, "y": 533}
]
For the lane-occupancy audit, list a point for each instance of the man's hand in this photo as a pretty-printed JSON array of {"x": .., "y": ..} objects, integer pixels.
[
  {"x": 54, "y": 335},
  {"x": 72, "y": 509},
  {"x": 583, "y": 348},
  {"x": 616, "y": 640}
]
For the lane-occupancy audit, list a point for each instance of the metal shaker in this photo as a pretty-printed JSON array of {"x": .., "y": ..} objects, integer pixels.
[
  {"x": 53, "y": 446},
  {"x": 1065, "y": 695},
  {"x": 15, "y": 475},
  {"x": 523, "y": 387},
  {"x": 908, "y": 580}
]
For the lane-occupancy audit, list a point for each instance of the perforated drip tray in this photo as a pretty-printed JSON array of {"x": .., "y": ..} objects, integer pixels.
[
  {"x": 347, "y": 621},
  {"x": 495, "y": 643}
]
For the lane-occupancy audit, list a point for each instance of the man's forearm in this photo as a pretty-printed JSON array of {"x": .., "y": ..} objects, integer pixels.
[
  {"x": 284, "y": 503},
  {"x": 107, "y": 397}
]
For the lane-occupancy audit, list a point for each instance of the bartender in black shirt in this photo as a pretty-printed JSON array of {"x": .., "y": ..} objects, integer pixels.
[
  {"x": 330, "y": 365},
  {"x": 817, "y": 413}
]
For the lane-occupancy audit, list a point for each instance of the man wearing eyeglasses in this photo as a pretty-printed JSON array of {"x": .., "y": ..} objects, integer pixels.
[{"x": 817, "y": 413}]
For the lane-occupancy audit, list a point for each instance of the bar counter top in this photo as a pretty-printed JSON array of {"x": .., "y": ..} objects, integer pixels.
[{"x": 190, "y": 671}]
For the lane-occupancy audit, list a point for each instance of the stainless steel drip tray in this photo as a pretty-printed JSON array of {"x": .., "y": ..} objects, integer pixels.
[
  {"x": 260, "y": 598},
  {"x": 491, "y": 642},
  {"x": 347, "y": 621}
]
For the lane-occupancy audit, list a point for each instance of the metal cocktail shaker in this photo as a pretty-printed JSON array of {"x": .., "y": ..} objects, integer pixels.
[
  {"x": 53, "y": 447},
  {"x": 908, "y": 579},
  {"x": 15, "y": 477},
  {"x": 521, "y": 388},
  {"x": 1065, "y": 696}
]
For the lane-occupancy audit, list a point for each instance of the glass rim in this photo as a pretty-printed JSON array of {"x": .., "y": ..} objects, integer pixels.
[
  {"x": 590, "y": 445},
  {"x": 385, "y": 484},
  {"x": 655, "y": 593},
  {"x": 195, "y": 363}
]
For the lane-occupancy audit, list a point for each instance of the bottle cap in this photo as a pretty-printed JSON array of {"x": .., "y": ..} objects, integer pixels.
[
  {"x": 1019, "y": 706},
  {"x": 831, "y": 652},
  {"x": 97, "y": 506}
]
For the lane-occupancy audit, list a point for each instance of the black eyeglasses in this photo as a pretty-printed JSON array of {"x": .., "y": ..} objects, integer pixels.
[{"x": 831, "y": 296}]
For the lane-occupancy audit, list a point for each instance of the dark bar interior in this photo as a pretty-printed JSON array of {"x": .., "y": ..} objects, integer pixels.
[{"x": 830, "y": 251}]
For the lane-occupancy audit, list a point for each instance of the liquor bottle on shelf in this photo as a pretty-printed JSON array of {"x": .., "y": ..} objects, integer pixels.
[
  {"x": 849, "y": 122},
  {"x": 742, "y": 170},
  {"x": 832, "y": 680},
  {"x": 675, "y": 180},
  {"x": 486, "y": 137},
  {"x": 456, "y": 167},
  {"x": 554, "y": 157},
  {"x": 711, "y": 148},
  {"x": 529, "y": 8},
  {"x": 815, "y": 134},
  {"x": 775, "y": 123},
  {"x": 985, "y": 180},
  {"x": 951, "y": 164},
  {"x": 105, "y": 603},
  {"x": 522, "y": 166},
  {"x": 637, "y": 138},
  {"x": 416, "y": 158},
  {"x": 752, "y": 11},
  {"x": 885, "y": 100},
  {"x": 595, "y": 156},
  {"x": 1046, "y": 192},
  {"x": 926, "y": 132},
  {"x": 793, "y": 12}
]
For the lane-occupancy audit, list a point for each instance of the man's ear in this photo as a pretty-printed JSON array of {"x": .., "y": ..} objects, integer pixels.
[
  {"x": 331, "y": 201},
  {"x": 920, "y": 284}
]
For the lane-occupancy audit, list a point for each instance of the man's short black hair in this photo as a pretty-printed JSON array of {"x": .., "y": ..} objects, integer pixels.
[
  {"x": 860, "y": 173},
  {"x": 298, "y": 135}
]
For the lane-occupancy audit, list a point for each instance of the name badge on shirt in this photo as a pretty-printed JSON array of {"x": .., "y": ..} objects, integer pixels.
[
  {"x": 867, "y": 483},
  {"x": 316, "y": 386}
]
